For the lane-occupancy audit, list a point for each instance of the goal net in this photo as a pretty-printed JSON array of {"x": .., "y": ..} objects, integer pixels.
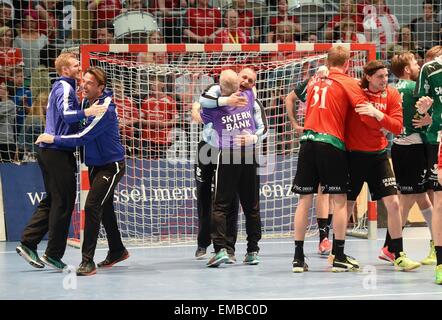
[{"x": 154, "y": 87}]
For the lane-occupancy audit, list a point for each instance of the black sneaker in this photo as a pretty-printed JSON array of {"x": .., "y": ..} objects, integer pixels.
[
  {"x": 113, "y": 258},
  {"x": 299, "y": 266},
  {"x": 345, "y": 264},
  {"x": 30, "y": 256},
  {"x": 200, "y": 253},
  {"x": 53, "y": 262},
  {"x": 86, "y": 268}
]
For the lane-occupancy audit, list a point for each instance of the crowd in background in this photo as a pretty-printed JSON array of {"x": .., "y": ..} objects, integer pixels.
[{"x": 31, "y": 37}]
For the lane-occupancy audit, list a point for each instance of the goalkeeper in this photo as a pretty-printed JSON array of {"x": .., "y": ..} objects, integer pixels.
[
  {"x": 237, "y": 132},
  {"x": 204, "y": 170}
]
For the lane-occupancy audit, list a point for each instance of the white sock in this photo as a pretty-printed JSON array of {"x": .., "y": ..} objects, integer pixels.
[{"x": 427, "y": 216}]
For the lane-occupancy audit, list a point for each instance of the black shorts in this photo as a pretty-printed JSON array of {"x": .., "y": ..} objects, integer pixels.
[
  {"x": 410, "y": 167},
  {"x": 320, "y": 163},
  {"x": 432, "y": 157},
  {"x": 373, "y": 168}
]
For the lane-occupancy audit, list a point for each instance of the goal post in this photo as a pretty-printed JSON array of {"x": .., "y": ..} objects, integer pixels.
[{"x": 155, "y": 201}]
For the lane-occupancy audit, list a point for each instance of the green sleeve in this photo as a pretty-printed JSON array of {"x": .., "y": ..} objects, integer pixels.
[
  {"x": 422, "y": 84},
  {"x": 301, "y": 90}
]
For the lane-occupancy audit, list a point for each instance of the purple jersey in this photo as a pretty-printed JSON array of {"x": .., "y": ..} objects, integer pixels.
[{"x": 231, "y": 121}]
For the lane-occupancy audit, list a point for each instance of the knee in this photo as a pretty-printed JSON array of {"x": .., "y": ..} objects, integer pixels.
[
  {"x": 392, "y": 204},
  {"x": 91, "y": 206}
]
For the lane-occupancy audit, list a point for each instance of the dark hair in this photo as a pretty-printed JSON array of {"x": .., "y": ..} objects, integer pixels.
[
  {"x": 98, "y": 74},
  {"x": 108, "y": 26},
  {"x": 434, "y": 5},
  {"x": 370, "y": 69}
]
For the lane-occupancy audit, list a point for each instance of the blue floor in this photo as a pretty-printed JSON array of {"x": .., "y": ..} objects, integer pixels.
[{"x": 172, "y": 273}]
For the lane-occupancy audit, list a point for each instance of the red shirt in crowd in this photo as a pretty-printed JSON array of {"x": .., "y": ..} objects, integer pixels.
[
  {"x": 246, "y": 21},
  {"x": 229, "y": 36},
  {"x": 203, "y": 22},
  {"x": 127, "y": 112},
  {"x": 161, "y": 110},
  {"x": 356, "y": 19},
  {"x": 107, "y": 10},
  {"x": 275, "y": 20}
]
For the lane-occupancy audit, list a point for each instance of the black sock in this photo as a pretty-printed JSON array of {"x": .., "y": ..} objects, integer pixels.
[
  {"x": 387, "y": 240},
  {"x": 396, "y": 247},
  {"x": 438, "y": 254},
  {"x": 333, "y": 245},
  {"x": 322, "y": 225},
  {"x": 339, "y": 248},
  {"x": 329, "y": 221},
  {"x": 299, "y": 250}
]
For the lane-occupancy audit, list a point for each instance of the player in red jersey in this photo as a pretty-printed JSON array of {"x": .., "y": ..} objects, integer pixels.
[
  {"x": 322, "y": 157},
  {"x": 367, "y": 155}
]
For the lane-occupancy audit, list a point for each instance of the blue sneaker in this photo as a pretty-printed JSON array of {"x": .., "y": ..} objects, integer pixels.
[
  {"x": 218, "y": 258},
  {"x": 53, "y": 263},
  {"x": 30, "y": 256}
]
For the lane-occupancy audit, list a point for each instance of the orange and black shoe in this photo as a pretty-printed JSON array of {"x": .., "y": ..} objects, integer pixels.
[{"x": 113, "y": 258}]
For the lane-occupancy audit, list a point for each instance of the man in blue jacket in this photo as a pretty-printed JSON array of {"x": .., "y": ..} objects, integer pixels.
[
  {"x": 58, "y": 167},
  {"x": 104, "y": 155}
]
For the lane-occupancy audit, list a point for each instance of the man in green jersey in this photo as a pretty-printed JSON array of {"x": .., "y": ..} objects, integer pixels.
[
  {"x": 429, "y": 88},
  {"x": 408, "y": 150}
]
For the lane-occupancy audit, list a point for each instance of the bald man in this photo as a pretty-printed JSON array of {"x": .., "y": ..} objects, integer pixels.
[{"x": 236, "y": 173}]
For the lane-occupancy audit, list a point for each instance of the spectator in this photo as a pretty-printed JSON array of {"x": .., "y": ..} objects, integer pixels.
[
  {"x": 133, "y": 5},
  {"x": 6, "y": 13},
  {"x": 282, "y": 17},
  {"x": 30, "y": 41},
  {"x": 171, "y": 23},
  {"x": 427, "y": 29},
  {"x": 154, "y": 37},
  {"x": 34, "y": 126},
  {"x": 128, "y": 115},
  {"x": 47, "y": 21},
  {"x": 231, "y": 33},
  {"x": 405, "y": 43},
  {"x": 158, "y": 116},
  {"x": 285, "y": 33},
  {"x": 247, "y": 22},
  {"x": 22, "y": 98},
  {"x": 105, "y": 33},
  {"x": 311, "y": 37},
  {"x": 348, "y": 32},
  {"x": 10, "y": 57},
  {"x": 201, "y": 22},
  {"x": 365, "y": 8},
  {"x": 381, "y": 27},
  {"x": 104, "y": 10},
  {"x": 347, "y": 10},
  {"x": 7, "y": 123}
]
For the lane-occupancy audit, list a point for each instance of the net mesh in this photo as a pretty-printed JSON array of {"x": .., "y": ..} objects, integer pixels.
[{"x": 156, "y": 199}]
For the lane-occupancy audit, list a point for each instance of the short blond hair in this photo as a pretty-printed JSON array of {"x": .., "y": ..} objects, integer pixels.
[
  {"x": 338, "y": 56},
  {"x": 63, "y": 61}
]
